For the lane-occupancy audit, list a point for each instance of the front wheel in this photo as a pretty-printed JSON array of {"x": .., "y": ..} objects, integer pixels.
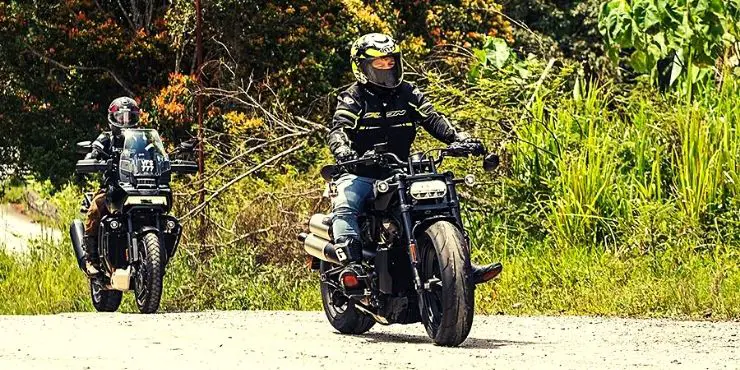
[
  {"x": 104, "y": 300},
  {"x": 447, "y": 304},
  {"x": 342, "y": 316},
  {"x": 149, "y": 274}
]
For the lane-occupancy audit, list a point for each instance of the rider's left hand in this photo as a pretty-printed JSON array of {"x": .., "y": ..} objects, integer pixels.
[{"x": 475, "y": 145}]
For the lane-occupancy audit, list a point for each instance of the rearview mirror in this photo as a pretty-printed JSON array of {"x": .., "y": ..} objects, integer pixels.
[
  {"x": 490, "y": 162},
  {"x": 84, "y": 147}
]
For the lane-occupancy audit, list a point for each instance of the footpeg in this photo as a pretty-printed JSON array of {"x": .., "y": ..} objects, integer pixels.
[
  {"x": 486, "y": 273},
  {"x": 90, "y": 269}
]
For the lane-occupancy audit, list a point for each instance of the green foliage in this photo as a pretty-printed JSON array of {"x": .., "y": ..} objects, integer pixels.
[
  {"x": 558, "y": 29},
  {"x": 496, "y": 57},
  {"x": 678, "y": 43}
]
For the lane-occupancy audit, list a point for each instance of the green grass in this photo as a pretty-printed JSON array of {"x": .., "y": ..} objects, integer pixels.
[
  {"x": 587, "y": 281},
  {"x": 538, "y": 279}
]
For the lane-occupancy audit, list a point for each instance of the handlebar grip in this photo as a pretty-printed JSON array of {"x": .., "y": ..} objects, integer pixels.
[
  {"x": 184, "y": 167},
  {"x": 90, "y": 166}
]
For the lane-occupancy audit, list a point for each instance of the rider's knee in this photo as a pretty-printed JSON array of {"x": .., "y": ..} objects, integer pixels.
[{"x": 346, "y": 210}]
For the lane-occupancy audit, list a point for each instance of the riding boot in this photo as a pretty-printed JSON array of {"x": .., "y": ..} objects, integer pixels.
[
  {"x": 481, "y": 274},
  {"x": 92, "y": 259},
  {"x": 349, "y": 253}
]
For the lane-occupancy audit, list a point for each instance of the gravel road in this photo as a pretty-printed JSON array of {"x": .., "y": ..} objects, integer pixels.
[
  {"x": 17, "y": 229},
  {"x": 304, "y": 340}
]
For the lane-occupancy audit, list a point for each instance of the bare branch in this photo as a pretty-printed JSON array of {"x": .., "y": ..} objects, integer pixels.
[
  {"x": 136, "y": 14},
  {"x": 235, "y": 180},
  {"x": 244, "y": 153},
  {"x": 313, "y": 124},
  {"x": 82, "y": 68},
  {"x": 125, "y": 14}
]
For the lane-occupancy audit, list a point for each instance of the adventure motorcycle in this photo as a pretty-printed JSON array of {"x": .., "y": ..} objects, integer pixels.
[
  {"x": 416, "y": 252},
  {"x": 137, "y": 238}
]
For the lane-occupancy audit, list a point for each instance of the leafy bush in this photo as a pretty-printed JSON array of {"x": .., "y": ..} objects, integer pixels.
[{"x": 677, "y": 43}]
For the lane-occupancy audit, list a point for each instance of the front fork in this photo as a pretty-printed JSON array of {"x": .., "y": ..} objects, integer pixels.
[{"x": 411, "y": 241}]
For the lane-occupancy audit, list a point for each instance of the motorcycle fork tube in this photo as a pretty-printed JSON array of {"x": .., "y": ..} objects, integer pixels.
[
  {"x": 454, "y": 201},
  {"x": 406, "y": 217},
  {"x": 160, "y": 235},
  {"x": 132, "y": 242},
  {"x": 455, "y": 208}
]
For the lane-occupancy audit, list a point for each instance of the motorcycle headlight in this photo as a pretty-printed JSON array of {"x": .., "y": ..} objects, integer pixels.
[
  {"x": 145, "y": 200},
  {"x": 428, "y": 189}
]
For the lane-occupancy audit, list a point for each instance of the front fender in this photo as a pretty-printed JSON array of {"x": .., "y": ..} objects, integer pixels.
[
  {"x": 420, "y": 226},
  {"x": 147, "y": 229}
]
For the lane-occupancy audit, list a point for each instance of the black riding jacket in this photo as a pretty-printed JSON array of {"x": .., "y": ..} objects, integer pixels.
[
  {"x": 102, "y": 147},
  {"x": 368, "y": 116}
]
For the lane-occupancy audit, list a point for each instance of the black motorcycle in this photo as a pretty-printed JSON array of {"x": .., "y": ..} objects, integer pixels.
[
  {"x": 138, "y": 237},
  {"x": 416, "y": 252}
]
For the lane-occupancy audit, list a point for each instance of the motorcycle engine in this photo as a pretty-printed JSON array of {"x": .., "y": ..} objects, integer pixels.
[{"x": 389, "y": 231}]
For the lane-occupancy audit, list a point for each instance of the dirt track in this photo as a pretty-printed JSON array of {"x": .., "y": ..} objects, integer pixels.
[
  {"x": 304, "y": 340},
  {"x": 17, "y": 229}
]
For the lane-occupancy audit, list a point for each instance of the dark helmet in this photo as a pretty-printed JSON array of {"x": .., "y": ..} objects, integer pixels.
[
  {"x": 123, "y": 113},
  {"x": 376, "y": 58}
]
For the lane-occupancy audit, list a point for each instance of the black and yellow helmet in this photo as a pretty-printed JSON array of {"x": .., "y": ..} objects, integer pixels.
[{"x": 376, "y": 59}]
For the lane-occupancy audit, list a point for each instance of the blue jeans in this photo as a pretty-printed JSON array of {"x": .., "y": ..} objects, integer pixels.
[{"x": 352, "y": 194}]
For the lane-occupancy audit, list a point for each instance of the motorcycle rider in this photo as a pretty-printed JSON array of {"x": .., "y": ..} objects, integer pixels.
[
  {"x": 123, "y": 113},
  {"x": 380, "y": 108}
]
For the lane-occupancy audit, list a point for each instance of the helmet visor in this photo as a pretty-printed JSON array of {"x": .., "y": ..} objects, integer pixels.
[
  {"x": 385, "y": 71},
  {"x": 125, "y": 117}
]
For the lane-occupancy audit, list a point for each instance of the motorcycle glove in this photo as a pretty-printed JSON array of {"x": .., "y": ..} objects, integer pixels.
[{"x": 344, "y": 154}]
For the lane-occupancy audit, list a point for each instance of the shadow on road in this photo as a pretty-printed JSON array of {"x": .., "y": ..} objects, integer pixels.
[{"x": 472, "y": 343}]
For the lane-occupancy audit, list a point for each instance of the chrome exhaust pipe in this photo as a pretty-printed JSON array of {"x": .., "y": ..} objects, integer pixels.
[
  {"x": 77, "y": 235},
  {"x": 325, "y": 250},
  {"x": 319, "y": 225},
  {"x": 319, "y": 248}
]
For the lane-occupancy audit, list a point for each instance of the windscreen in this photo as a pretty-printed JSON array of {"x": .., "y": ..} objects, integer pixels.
[{"x": 143, "y": 154}]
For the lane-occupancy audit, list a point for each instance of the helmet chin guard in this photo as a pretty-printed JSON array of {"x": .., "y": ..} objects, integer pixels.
[{"x": 369, "y": 47}]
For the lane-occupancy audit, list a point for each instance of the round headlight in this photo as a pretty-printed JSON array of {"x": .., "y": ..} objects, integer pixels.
[
  {"x": 170, "y": 224},
  {"x": 469, "y": 180},
  {"x": 115, "y": 224},
  {"x": 382, "y": 186}
]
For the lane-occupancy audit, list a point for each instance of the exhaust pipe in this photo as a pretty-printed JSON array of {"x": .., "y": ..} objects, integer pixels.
[
  {"x": 324, "y": 249},
  {"x": 319, "y": 247},
  {"x": 319, "y": 225},
  {"x": 77, "y": 234}
]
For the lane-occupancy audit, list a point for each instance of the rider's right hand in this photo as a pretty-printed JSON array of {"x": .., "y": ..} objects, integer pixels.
[{"x": 345, "y": 154}]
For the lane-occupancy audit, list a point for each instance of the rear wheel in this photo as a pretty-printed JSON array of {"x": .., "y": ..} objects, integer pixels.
[
  {"x": 149, "y": 274},
  {"x": 104, "y": 300},
  {"x": 447, "y": 305},
  {"x": 342, "y": 316}
]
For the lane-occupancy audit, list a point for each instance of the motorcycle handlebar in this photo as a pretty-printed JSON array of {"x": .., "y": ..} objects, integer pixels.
[
  {"x": 390, "y": 158},
  {"x": 453, "y": 150},
  {"x": 91, "y": 166}
]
